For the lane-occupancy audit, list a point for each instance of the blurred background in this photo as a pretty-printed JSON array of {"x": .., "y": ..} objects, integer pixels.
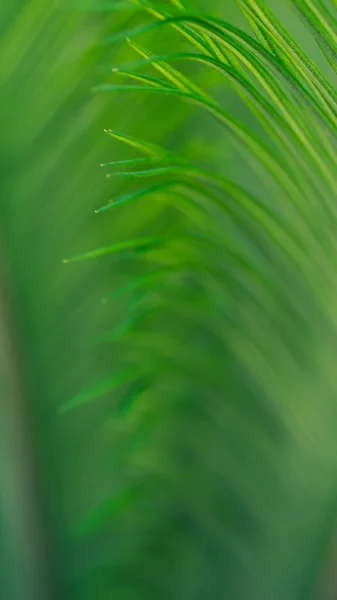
[{"x": 55, "y": 319}]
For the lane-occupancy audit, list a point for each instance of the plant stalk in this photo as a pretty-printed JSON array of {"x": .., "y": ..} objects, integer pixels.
[{"x": 26, "y": 572}]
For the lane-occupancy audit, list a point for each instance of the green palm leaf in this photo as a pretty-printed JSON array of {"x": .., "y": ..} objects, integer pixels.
[
  {"x": 239, "y": 355},
  {"x": 174, "y": 398}
]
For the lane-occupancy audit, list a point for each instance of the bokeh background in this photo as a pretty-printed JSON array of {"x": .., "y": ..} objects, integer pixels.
[{"x": 59, "y": 319}]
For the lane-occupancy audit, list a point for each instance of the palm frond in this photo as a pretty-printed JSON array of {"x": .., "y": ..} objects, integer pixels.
[{"x": 238, "y": 466}]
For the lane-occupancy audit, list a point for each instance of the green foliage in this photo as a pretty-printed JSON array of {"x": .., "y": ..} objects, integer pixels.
[
  {"x": 239, "y": 462},
  {"x": 199, "y": 461}
]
